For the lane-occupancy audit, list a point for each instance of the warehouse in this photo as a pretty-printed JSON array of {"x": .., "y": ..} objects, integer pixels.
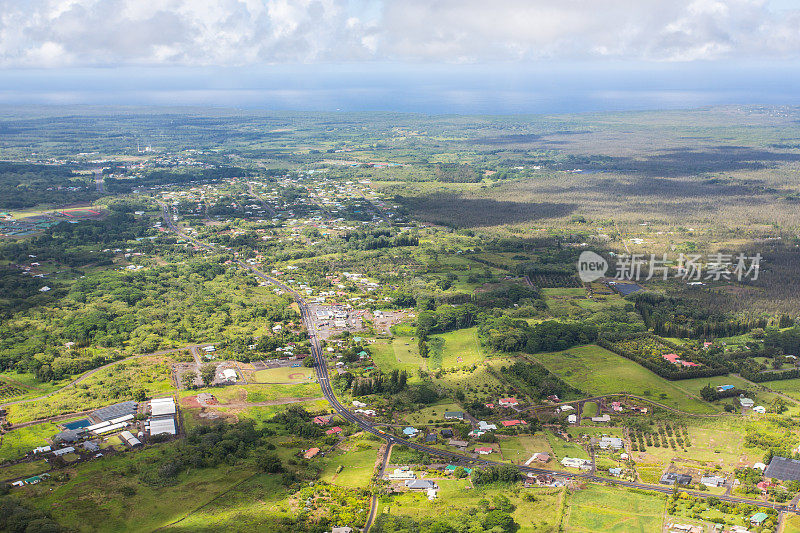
[
  {"x": 166, "y": 425},
  {"x": 162, "y": 408},
  {"x": 128, "y": 437},
  {"x": 115, "y": 411}
]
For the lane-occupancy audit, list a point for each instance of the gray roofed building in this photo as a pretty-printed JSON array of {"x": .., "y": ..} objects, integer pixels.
[
  {"x": 454, "y": 415},
  {"x": 90, "y": 446},
  {"x": 63, "y": 451},
  {"x": 115, "y": 411},
  {"x": 68, "y": 435},
  {"x": 420, "y": 484},
  {"x": 671, "y": 478},
  {"x": 783, "y": 469}
]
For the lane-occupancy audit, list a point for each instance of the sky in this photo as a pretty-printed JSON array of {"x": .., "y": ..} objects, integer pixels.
[{"x": 503, "y": 56}]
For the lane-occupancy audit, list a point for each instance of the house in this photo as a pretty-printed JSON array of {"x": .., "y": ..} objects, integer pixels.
[
  {"x": 485, "y": 426},
  {"x": 610, "y": 442},
  {"x": 746, "y": 402},
  {"x": 343, "y": 529},
  {"x": 421, "y": 484},
  {"x": 410, "y": 431},
  {"x": 323, "y": 420},
  {"x": 457, "y": 443},
  {"x": 311, "y": 453},
  {"x": 604, "y": 418},
  {"x": 334, "y": 430},
  {"x": 446, "y": 433},
  {"x": 565, "y": 408},
  {"x": 63, "y": 451},
  {"x": 356, "y": 403},
  {"x": 41, "y": 449},
  {"x": 508, "y": 402},
  {"x": 724, "y": 388},
  {"x": 616, "y": 472},
  {"x": 512, "y": 423},
  {"x": 783, "y": 469},
  {"x": 400, "y": 474},
  {"x": 574, "y": 462},
  {"x": 760, "y": 466},
  {"x": 712, "y": 481},
  {"x": 453, "y": 415},
  {"x": 758, "y": 519},
  {"x": 672, "y": 478},
  {"x": 452, "y": 468},
  {"x": 553, "y": 398},
  {"x": 616, "y": 407},
  {"x": 759, "y": 409},
  {"x": 572, "y": 419},
  {"x": 540, "y": 457},
  {"x": 484, "y": 450},
  {"x": 489, "y": 406}
]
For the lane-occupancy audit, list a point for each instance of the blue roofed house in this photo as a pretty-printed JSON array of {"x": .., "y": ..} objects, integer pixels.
[{"x": 410, "y": 431}]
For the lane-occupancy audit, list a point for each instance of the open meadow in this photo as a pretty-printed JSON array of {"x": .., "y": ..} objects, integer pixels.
[{"x": 597, "y": 371}]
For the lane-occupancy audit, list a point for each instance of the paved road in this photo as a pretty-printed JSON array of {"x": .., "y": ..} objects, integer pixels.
[
  {"x": 260, "y": 199},
  {"x": 341, "y": 410}
]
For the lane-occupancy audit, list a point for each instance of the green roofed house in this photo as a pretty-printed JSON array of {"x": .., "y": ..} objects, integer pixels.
[
  {"x": 452, "y": 468},
  {"x": 758, "y": 518}
]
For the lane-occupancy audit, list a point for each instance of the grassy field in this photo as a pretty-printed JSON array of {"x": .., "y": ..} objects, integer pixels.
[
  {"x": 284, "y": 374},
  {"x": 455, "y": 496},
  {"x": 18, "y": 442},
  {"x": 599, "y": 508},
  {"x": 792, "y": 524},
  {"x": 24, "y": 469},
  {"x": 597, "y": 371},
  {"x": 433, "y": 412},
  {"x": 760, "y": 392},
  {"x": 789, "y": 387},
  {"x": 92, "y": 501},
  {"x": 243, "y": 394},
  {"x": 358, "y": 464},
  {"x": 478, "y": 384},
  {"x": 461, "y": 347},
  {"x": 520, "y": 448},
  {"x": 400, "y": 353},
  {"x": 110, "y": 385},
  {"x": 562, "y": 448}
]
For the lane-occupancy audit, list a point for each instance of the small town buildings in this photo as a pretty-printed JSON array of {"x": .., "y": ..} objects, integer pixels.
[
  {"x": 420, "y": 484},
  {"x": 574, "y": 462},
  {"x": 615, "y": 443},
  {"x": 311, "y": 453},
  {"x": 400, "y": 474},
  {"x": 672, "y": 478},
  {"x": 712, "y": 481},
  {"x": 783, "y": 469},
  {"x": 508, "y": 402},
  {"x": 63, "y": 451},
  {"x": 129, "y": 439},
  {"x": 322, "y": 420}
]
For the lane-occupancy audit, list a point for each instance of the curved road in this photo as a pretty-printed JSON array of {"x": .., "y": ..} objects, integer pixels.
[{"x": 341, "y": 410}]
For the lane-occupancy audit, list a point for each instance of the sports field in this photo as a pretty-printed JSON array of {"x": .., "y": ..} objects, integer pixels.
[
  {"x": 284, "y": 374},
  {"x": 597, "y": 371}
]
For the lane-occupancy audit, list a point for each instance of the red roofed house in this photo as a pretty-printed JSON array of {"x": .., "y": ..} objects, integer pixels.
[
  {"x": 688, "y": 363},
  {"x": 508, "y": 402},
  {"x": 484, "y": 450},
  {"x": 322, "y": 420},
  {"x": 616, "y": 406},
  {"x": 334, "y": 430},
  {"x": 490, "y": 406},
  {"x": 509, "y": 423},
  {"x": 672, "y": 358},
  {"x": 312, "y": 452}
]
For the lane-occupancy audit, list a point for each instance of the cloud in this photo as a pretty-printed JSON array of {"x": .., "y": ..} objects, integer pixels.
[{"x": 65, "y": 33}]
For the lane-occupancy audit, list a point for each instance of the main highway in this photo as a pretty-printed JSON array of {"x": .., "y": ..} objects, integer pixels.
[{"x": 321, "y": 366}]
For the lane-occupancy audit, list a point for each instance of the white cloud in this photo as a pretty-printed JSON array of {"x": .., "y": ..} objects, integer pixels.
[{"x": 53, "y": 33}]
